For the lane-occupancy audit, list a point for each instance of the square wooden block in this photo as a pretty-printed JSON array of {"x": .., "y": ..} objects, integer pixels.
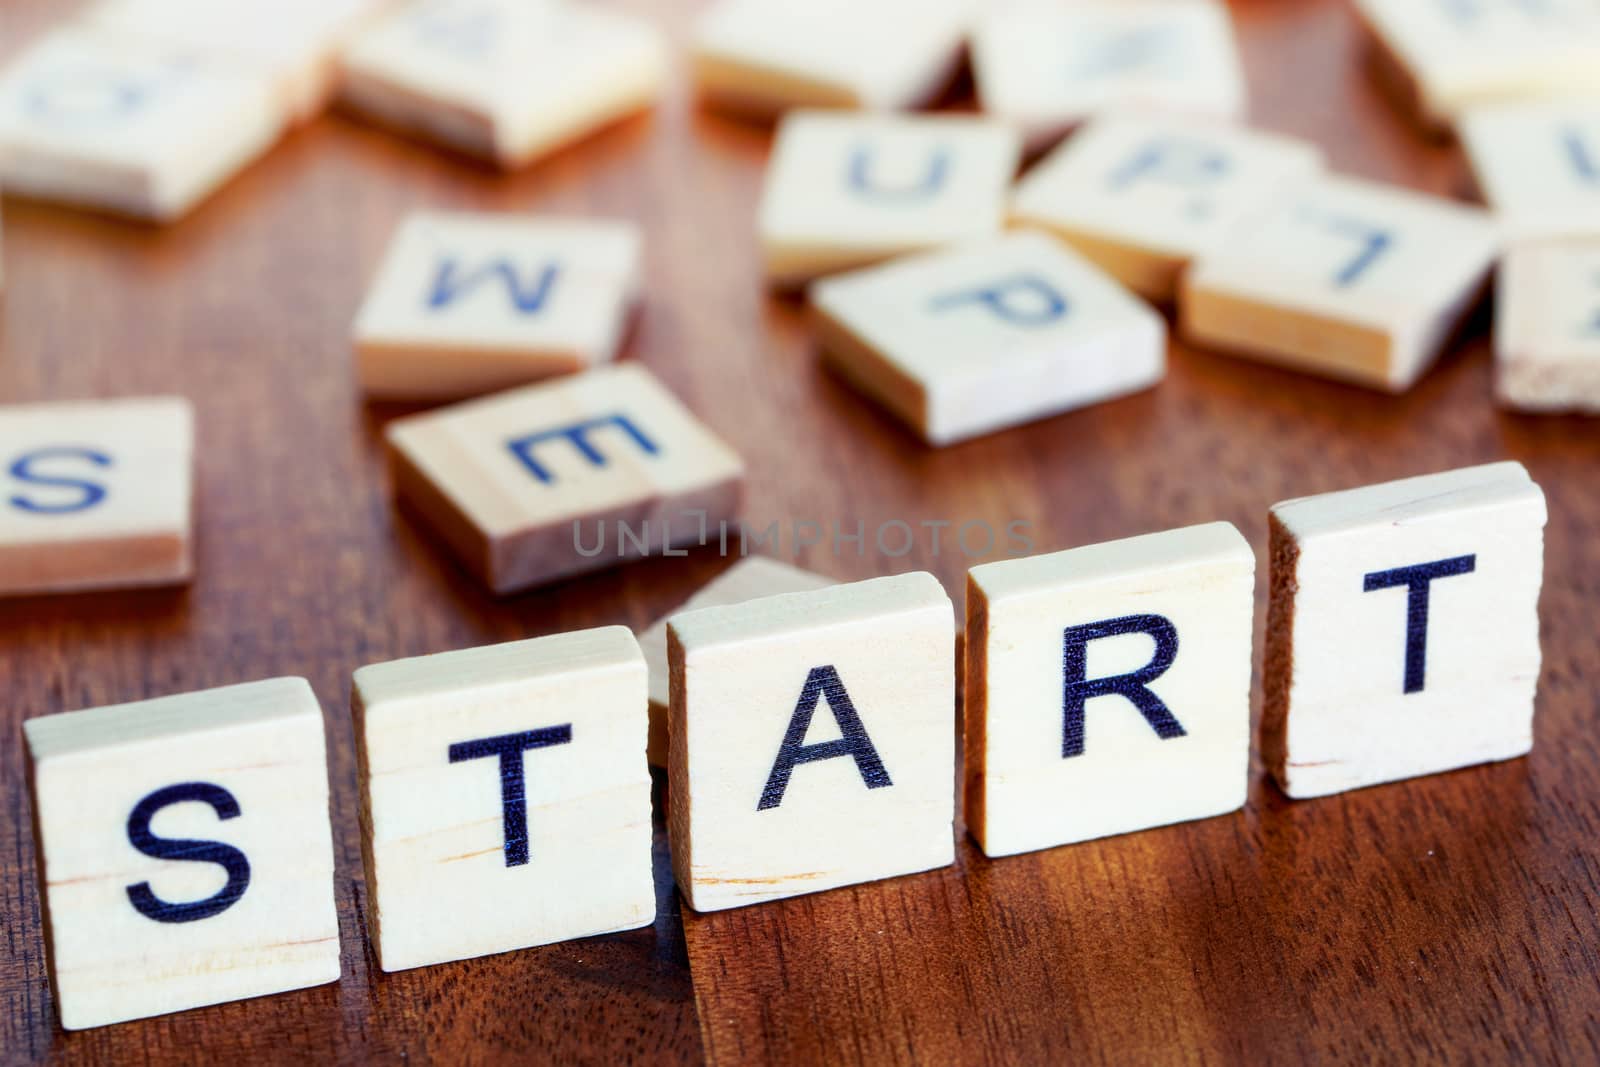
[
  {"x": 749, "y": 579},
  {"x": 510, "y": 783},
  {"x": 972, "y": 339},
  {"x": 465, "y": 304},
  {"x": 1403, "y": 637},
  {"x": 1108, "y": 688},
  {"x": 1538, "y": 165},
  {"x": 761, "y": 57},
  {"x": 506, "y": 80},
  {"x": 293, "y": 43},
  {"x": 845, "y": 190},
  {"x": 97, "y": 495},
  {"x": 553, "y": 480},
  {"x": 185, "y": 851},
  {"x": 1142, "y": 196},
  {"x": 812, "y": 740},
  {"x": 1444, "y": 56},
  {"x": 1547, "y": 328},
  {"x": 1351, "y": 280},
  {"x": 133, "y": 128},
  {"x": 1045, "y": 68}
]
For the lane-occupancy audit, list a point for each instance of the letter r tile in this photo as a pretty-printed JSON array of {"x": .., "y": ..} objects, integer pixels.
[
  {"x": 1403, "y": 637},
  {"x": 1108, "y": 688},
  {"x": 505, "y": 796},
  {"x": 185, "y": 851},
  {"x": 811, "y": 739},
  {"x": 531, "y": 485}
]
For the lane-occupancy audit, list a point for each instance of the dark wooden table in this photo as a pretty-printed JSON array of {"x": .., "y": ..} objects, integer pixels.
[{"x": 1453, "y": 918}]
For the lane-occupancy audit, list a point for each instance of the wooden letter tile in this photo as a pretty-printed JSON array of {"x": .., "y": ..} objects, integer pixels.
[
  {"x": 1538, "y": 165},
  {"x": 1343, "y": 278},
  {"x": 749, "y": 579},
  {"x": 1444, "y": 56},
  {"x": 134, "y": 128},
  {"x": 539, "y": 483},
  {"x": 472, "y": 303},
  {"x": 845, "y": 190},
  {"x": 1047, "y": 67},
  {"x": 973, "y": 339},
  {"x": 506, "y": 80},
  {"x": 1547, "y": 328},
  {"x": 185, "y": 851},
  {"x": 760, "y": 57},
  {"x": 505, "y": 797},
  {"x": 1108, "y": 688},
  {"x": 812, "y": 740},
  {"x": 96, "y": 495},
  {"x": 1143, "y": 196},
  {"x": 1403, "y": 637}
]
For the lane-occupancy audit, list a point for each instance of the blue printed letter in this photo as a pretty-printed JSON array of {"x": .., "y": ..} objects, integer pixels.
[
  {"x": 1416, "y": 580},
  {"x": 89, "y": 493},
  {"x": 1078, "y": 688},
  {"x": 447, "y": 285},
  {"x": 578, "y": 435},
  {"x": 933, "y": 177},
  {"x": 1025, "y": 300},
  {"x": 227, "y": 857},
  {"x": 513, "y": 785},
  {"x": 854, "y": 742}
]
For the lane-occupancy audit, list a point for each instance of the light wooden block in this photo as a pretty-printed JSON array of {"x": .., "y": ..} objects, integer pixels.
[
  {"x": 1444, "y": 56},
  {"x": 1538, "y": 164},
  {"x": 1047, "y": 67},
  {"x": 750, "y": 579},
  {"x": 505, "y": 797},
  {"x": 1403, "y": 637},
  {"x": 185, "y": 851},
  {"x": 465, "y": 304},
  {"x": 761, "y": 57},
  {"x": 845, "y": 190},
  {"x": 812, "y": 740},
  {"x": 505, "y": 80},
  {"x": 1143, "y": 196},
  {"x": 1108, "y": 688},
  {"x": 293, "y": 43},
  {"x": 986, "y": 335},
  {"x": 1547, "y": 328},
  {"x": 96, "y": 495},
  {"x": 136, "y": 129},
  {"x": 535, "y": 484},
  {"x": 1351, "y": 280}
]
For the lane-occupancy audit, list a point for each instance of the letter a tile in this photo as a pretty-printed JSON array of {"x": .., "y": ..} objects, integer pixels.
[
  {"x": 812, "y": 739},
  {"x": 505, "y": 796},
  {"x": 1403, "y": 637},
  {"x": 1347, "y": 279},
  {"x": 972, "y": 339},
  {"x": 557, "y": 479},
  {"x": 185, "y": 851},
  {"x": 465, "y": 304},
  {"x": 1547, "y": 328},
  {"x": 96, "y": 495},
  {"x": 1108, "y": 688}
]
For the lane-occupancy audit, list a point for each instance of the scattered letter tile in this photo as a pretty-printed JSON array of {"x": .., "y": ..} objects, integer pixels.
[
  {"x": 96, "y": 495},
  {"x": 185, "y": 851},
  {"x": 972, "y": 339},
  {"x": 760, "y": 57},
  {"x": 1403, "y": 637},
  {"x": 1143, "y": 196},
  {"x": 1538, "y": 165},
  {"x": 505, "y": 796},
  {"x": 553, "y": 480},
  {"x": 133, "y": 128},
  {"x": 845, "y": 190},
  {"x": 506, "y": 80},
  {"x": 473, "y": 303},
  {"x": 1047, "y": 67},
  {"x": 749, "y": 579},
  {"x": 1443, "y": 56},
  {"x": 1108, "y": 688},
  {"x": 1547, "y": 328},
  {"x": 1343, "y": 278},
  {"x": 812, "y": 740}
]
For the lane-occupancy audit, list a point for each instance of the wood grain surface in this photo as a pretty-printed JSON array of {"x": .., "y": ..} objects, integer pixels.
[{"x": 1449, "y": 919}]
